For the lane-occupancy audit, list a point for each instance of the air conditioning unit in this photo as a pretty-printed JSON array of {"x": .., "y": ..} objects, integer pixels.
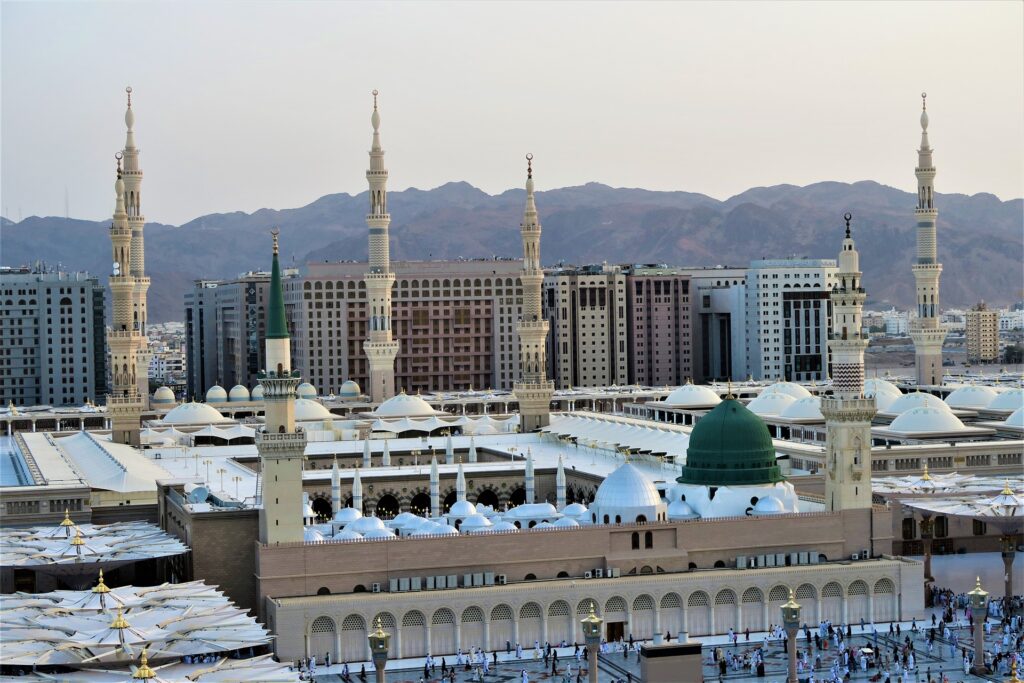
[
  {"x": 855, "y": 556},
  {"x": 588, "y": 575},
  {"x": 501, "y": 579},
  {"x": 865, "y": 555},
  {"x": 375, "y": 587},
  {"x": 599, "y": 573}
]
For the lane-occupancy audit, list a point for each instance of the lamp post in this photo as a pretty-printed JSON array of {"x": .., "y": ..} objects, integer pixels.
[
  {"x": 791, "y": 620},
  {"x": 979, "y": 610},
  {"x": 592, "y": 635},
  {"x": 221, "y": 471},
  {"x": 207, "y": 462},
  {"x": 236, "y": 479},
  {"x": 379, "y": 639}
]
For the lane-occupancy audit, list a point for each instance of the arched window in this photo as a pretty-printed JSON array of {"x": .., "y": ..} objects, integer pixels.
[
  {"x": 648, "y": 539},
  {"x": 636, "y": 540}
]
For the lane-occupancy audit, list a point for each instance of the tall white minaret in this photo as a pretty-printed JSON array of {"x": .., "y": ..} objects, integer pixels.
[
  {"x": 560, "y": 486},
  {"x": 926, "y": 330},
  {"x": 280, "y": 443},
  {"x": 449, "y": 449},
  {"x": 534, "y": 390},
  {"x": 460, "y": 485},
  {"x": 335, "y": 488},
  {"x": 367, "y": 455},
  {"x": 472, "y": 450},
  {"x": 136, "y": 222},
  {"x": 385, "y": 460},
  {"x": 357, "y": 491},
  {"x": 530, "y": 481},
  {"x": 435, "y": 489},
  {"x": 847, "y": 413},
  {"x": 380, "y": 348}
]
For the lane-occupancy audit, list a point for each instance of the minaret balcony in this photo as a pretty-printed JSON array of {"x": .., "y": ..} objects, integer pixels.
[
  {"x": 379, "y": 277},
  {"x": 533, "y": 325}
]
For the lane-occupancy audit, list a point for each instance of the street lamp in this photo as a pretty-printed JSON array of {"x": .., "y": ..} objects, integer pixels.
[
  {"x": 979, "y": 609},
  {"x": 236, "y": 479},
  {"x": 592, "y": 635},
  {"x": 221, "y": 471},
  {"x": 791, "y": 620},
  {"x": 379, "y": 639},
  {"x": 207, "y": 462}
]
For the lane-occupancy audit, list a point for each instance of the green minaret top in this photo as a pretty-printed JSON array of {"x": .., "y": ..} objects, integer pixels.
[
  {"x": 277, "y": 325},
  {"x": 730, "y": 446}
]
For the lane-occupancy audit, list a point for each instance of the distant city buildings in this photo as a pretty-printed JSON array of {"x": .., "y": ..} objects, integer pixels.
[
  {"x": 52, "y": 345},
  {"x": 658, "y": 328},
  {"x": 982, "y": 333}
]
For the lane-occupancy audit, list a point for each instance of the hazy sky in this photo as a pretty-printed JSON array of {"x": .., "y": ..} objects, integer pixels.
[{"x": 243, "y": 105}]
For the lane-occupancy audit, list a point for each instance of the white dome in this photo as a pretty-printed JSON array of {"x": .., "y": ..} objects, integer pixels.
[
  {"x": 504, "y": 526},
  {"x": 543, "y": 525},
  {"x": 461, "y": 509},
  {"x": 475, "y": 521},
  {"x": 308, "y": 409},
  {"x": 310, "y": 535},
  {"x": 914, "y": 399},
  {"x": 193, "y": 414},
  {"x": 364, "y": 525},
  {"x": 435, "y": 529},
  {"x": 1016, "y": 419},
  {"x": 566, "y": 523},
  {"x": 794, "y": 390},
  {"x": 971, "y": 397},
  {"x": 771, "y": 403},
  {"x": 305, "y": 390},
  {"x": 478, "y": 429},
  {"x": 404, "y": 405},
  {"x": 532, "y": 511},
  {"x": 238, "y": 394},
  {"x": 679, "y": 509},
  {"x": 401, "y": 519},
  {"x": 346, "y": 535},
  {"x": 216, "y": 394},
  {"x": 884, "y": 392},
  {"x": 769, "y": 505},
  {"x": 257, "y": 393},
  {"x": 626, "y": 487},
  {"x": 1011, "y": 399},
  {"x": 378, "y": 534},
  {"x": 692, "y": 396},
  {"x": 350, "y": 390},
  {"x": 346, "y": 515},
  {"x": 575, "y": 510},
  {"x": 927, "y": 420},
  {"x": 163, "y": 395},
  {"x": 807, "y": 408}
]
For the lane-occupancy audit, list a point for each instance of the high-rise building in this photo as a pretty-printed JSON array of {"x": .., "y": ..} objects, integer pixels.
[
  {"x": 847, "y": 412},
  {"x": 128, "y": 284},
  {"x": 658, "y": 325},
  {"x": 225, "y": 330},
  {"x": 380, "y": 347},
  {"x": 533, "y": 390},
  {"x": 719, "y": 323},
  {"x": 281, "y": 446},
  {"x": 982, "y": 333},
  {"x": 52, "y": 338},
  {"x": 586, "y": 308},
  {"x": 926, "y": 330},
  {"x": 788, "y": 314},
  {"x": 455, "y": 322}
]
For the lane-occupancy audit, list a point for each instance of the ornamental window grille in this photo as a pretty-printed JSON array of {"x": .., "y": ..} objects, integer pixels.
[
  {"x": 530, "y": 610},
  {"x": 753, "y": 595},
  {"x": 501, "y": 613},
  {"x": 323, "y": 625},
  {"x": 671, "y": 600},
  {"x": 884, "y": 586},
  {"x": 559, "y": 608},
  {"x": 643, "y": 602},
  {"x": 443, "y": 616},
  {"x": 698, "y": 599}
]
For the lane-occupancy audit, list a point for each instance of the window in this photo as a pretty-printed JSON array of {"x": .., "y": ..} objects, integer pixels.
[{"x": 909, "y": 528}]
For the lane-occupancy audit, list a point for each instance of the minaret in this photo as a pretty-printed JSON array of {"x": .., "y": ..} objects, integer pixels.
[
  {"x": 926, "y": 330},
  {"x": 385, "y": 459},
  {"x": 460, "y": 485},
  {"x": 847, "y": 413},
  {"x": 124, "y": 404},
  {"x": 530, "y": 480},
  {"x": 435, "y": 490},
  {"x": 380, "y": 348},
  {"x": 280, "y": 444},
  {"x": 335, "y": 488},
  {"x": 560, "y": 485},
  {"x": 472, "y": 450},
  {"x": 449, "y": 449},
  {"x": 533, "y": 391},
  {"x": 357, "y": 491},
  {"x": 367, "y": 455},
  {"x": 136, "y": 222}
]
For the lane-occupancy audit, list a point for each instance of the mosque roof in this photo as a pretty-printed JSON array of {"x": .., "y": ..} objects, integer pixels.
[
  {"x": 277, "y": 323},
  {"x": 350, "y": 389},
  {"x": 192, "y": 414},
  {"x": 807, "y": 408},
  {"x": 771, "y": 403},
  {"x": 238, "y": 394},
  {"x": 626, "y": 487},
  {"x": 730, "y": 446},
  {"x": 790, "y": 388},
  {"x": 1008, "y": 401},
  {"x": 308, "y": 409},
  {"x": 927, "y": 420},
  {"x": 257, "y": 393},
  {"x": 1016, "y": 419},
  {"x": 305, "y": 390},
  {"x": 693, "y": 396},
  {"x": 404, "y": 405},
  {"x": 971, "y": 397},
  {"x": 914, "y": 400},
  {"x": 884, "y": 392},
  {"x": 163, "y": 395},
  {"x": 216, "y": 394}
]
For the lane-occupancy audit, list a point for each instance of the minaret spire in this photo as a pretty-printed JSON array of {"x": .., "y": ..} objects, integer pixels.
[
  {"x": 847, "y": 413},
  {"x": 533, "y": 391},
  {"x": 380, "y": 348},
  {"x": 435, "y": 489},
  {"x": 926, "y": 330}
]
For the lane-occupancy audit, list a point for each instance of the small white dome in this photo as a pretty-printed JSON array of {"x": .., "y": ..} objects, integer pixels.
[
  {"x": 379, "y": 534},
  {"x": 532, "y": 511},
  {"x": 475, "y": 521},
  {"x": 461, "y": 509},
  {"x": 771, "y": 403},
  {"x": 1011, "y": 399},
  {"x": 238, "y": 394},
  {"x": 794, "y": 390},
  {"x": 927, "y": 420},
  {"x": 883, "y": 391},
  {"x": 346, "y": 515},
  {"x": 565, "y": 523},
  {"x": 626, "y": 487},
  {"x": 769, "y": 505},
  {"x": 1016, "y": 419},
  {"x": 193, "y": 414},
  {"x": 257, "y": 393},
  {"x": 401, "y": 519},
  {"x": 364, "y": 525},
  {"x": 543, "y": 525},
  {"x": 216, "y": 394},
  {"x": 971, "y": 397},
  {"x": 914, "y": 399},
  {"x": 575, "y": 510},
  {"x": 350, "y": 390},
  {"x": 478, "y": 429},
  {"x": 346, "y": 535},
  {"x": 305, "y": 390},
  {"x": 163, "y": 395},
  {"x": 311, "y": 535},
  {"x": 807, "y": 408},
  {"x": 504, "y": 526},
  {"x": 693, "y": 396},
  {"x": 680, "y": 509},
  {"x": 436, "y": 530},
  {"x": 308, "y": 409},
  {"x": 404, "y": 405}
]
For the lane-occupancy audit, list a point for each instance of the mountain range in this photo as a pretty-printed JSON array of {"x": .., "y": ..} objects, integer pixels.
[{"x": 981, "y": 238}]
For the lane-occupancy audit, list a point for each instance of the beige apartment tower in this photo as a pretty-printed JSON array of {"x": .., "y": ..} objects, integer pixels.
[{"x": 982, "y": 332}]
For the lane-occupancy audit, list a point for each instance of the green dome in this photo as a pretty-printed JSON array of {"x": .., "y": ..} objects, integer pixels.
[{"x": 730, "y": 446}]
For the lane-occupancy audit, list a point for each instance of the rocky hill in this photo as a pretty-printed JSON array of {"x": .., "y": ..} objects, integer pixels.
[{"x": 981, "y": 238}]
